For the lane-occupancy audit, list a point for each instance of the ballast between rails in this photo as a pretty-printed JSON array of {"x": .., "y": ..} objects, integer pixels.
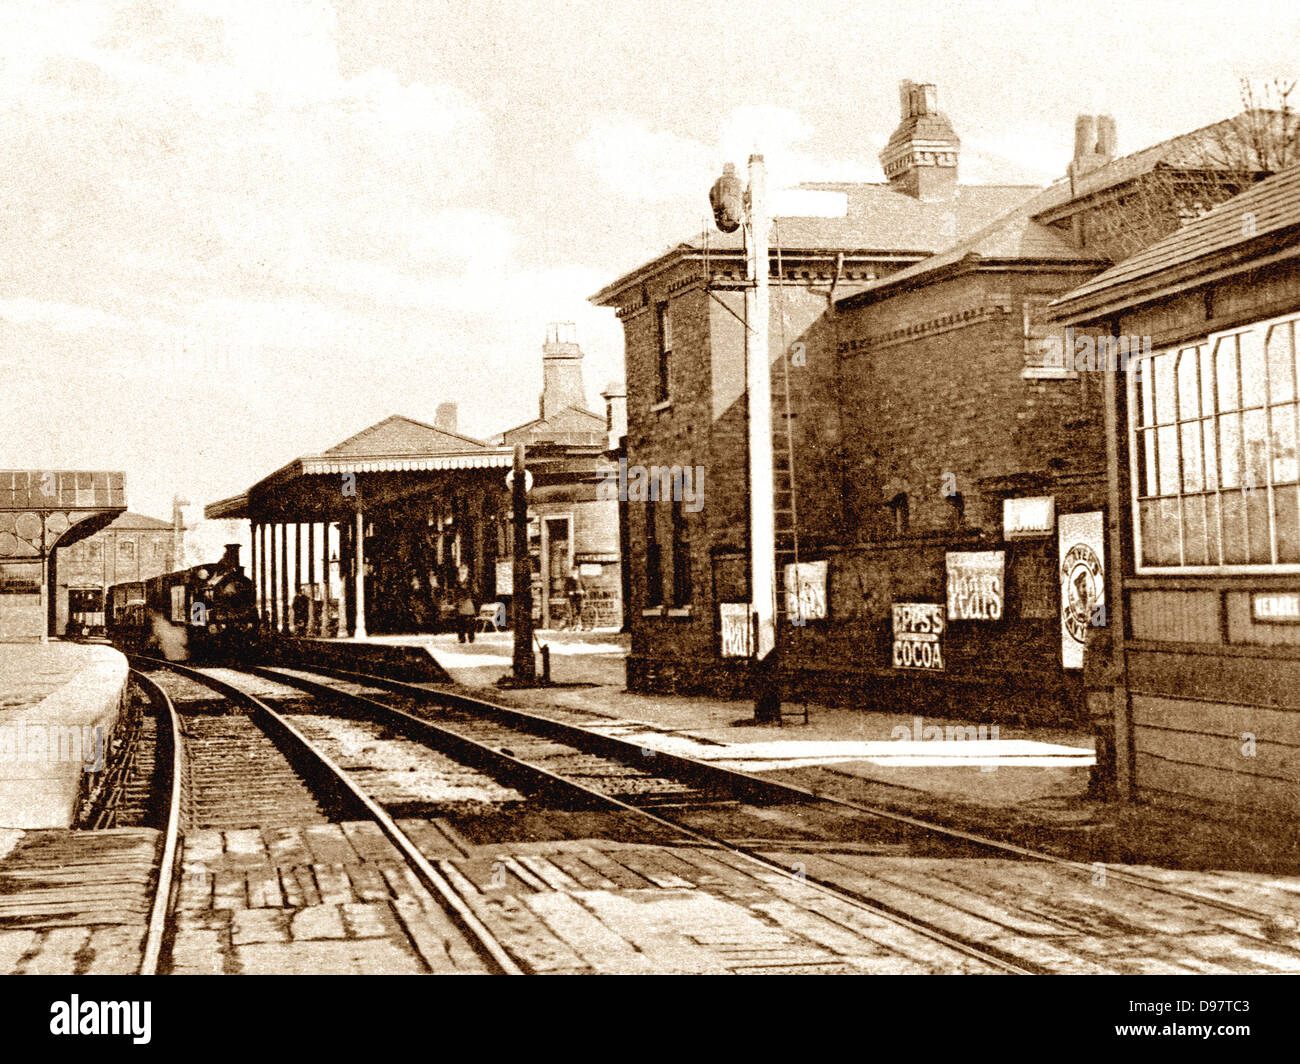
[
  {"x": 481, "y": 754},
  {"x": 748, "y": 783},
  {"x": 478, "y": 934}
]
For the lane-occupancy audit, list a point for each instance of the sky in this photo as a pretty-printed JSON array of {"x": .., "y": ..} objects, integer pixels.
[{"x": 232, "y": 233}]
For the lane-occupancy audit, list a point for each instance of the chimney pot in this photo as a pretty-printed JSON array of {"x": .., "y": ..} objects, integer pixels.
[
  {"x": 905, "y": 88},
  {"x": 1085, "y": 136},
  {"x": 1107, "y": 141}
]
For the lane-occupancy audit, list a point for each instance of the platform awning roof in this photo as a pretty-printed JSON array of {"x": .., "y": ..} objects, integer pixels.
[{"x": 393, "y": 459}]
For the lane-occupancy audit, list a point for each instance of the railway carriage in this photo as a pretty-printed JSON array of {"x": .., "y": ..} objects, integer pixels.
[{"x": 204, "y": 613}]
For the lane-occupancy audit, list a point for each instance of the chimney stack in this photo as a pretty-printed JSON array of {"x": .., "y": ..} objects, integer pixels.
[
  {"x": 445, "y": 417},
  {"x": 561, "y": 370},
  {"x": 230, "y": 560},
  {"x": 615, "y": 396},
  {"x": 1094, "y": 143},
  {"x": 920, "y": 159}
]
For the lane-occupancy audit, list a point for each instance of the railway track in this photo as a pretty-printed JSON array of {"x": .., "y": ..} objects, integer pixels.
[
  {"x": 244, "y": 781},
  {"x": 788, "y": 829}
]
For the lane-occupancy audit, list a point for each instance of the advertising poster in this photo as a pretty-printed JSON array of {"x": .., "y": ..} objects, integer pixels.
[
  {"x": 976, "y": 585},
  {"x": 1083, "y": 581},
  {"x": 918, "y": 627},
  {"x": 736, "y": 629},
  {"x": 805, "y": 591}
]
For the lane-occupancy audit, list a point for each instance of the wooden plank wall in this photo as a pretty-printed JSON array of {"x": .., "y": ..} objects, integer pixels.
[{"x": 1215, "y": 715}]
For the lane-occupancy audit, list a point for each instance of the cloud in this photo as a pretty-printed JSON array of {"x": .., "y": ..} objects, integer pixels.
[{"x": 643, "y": 165}]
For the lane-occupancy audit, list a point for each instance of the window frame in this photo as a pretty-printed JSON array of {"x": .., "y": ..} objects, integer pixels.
[
  {"x": 683, "y": 586},
  {"x": 1210, "y": 344},
  {"x": 654, "y": 563},
  {"x": 663, "y": 354}
]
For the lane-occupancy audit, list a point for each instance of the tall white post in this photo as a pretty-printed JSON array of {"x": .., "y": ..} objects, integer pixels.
[{"x": 758, "y": 366}]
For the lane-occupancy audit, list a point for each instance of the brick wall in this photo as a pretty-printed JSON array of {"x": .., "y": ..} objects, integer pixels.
[{"x": 871, "y": 418}]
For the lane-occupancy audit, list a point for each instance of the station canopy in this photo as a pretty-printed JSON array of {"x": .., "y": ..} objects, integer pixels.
[
  {"x": 41, "y": 509},
  {"x": 397, "y": 458}
]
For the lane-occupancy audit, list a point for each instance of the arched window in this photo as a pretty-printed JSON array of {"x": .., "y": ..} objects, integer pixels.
[{"x": 898, "y": 504}]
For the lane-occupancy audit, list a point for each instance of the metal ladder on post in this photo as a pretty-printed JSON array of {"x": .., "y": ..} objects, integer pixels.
[{"x": 785, "y": 500}]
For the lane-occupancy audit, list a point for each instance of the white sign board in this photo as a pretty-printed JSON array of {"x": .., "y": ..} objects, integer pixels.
[
  {"x": 1083, "y": 581},
  {"x": 976, "y": 583},
  {"x": 1022, "y": 518},
  {"x": 917, "y": 628},
  {"x": 506, "y": 577},
  {"x": 805, "y": 591},
  {"x": 1275, "y": 607},
  {"x": 737, "y": 641}
]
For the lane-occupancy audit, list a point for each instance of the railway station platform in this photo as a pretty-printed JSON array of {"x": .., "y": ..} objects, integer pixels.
[
  {"x": 59, "y": 703},
  {"x": 936, "y": 759}
]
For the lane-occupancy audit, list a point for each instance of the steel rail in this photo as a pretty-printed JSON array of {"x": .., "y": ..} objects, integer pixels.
[
  {"x": 165, "y": 889},
  {"x": 480, "y": 937},
  {"x": 746, "y": 781},
  {"x": 482, "y": 754}
]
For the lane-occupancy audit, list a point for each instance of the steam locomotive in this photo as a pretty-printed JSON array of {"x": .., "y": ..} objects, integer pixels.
[{"x": 207, "y": 613}]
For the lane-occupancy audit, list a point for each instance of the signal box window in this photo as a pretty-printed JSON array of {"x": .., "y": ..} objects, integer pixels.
[{"x": 1213, "y": 430}]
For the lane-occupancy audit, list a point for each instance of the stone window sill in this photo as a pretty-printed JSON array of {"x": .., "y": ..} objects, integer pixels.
[
  {"x": 1048, "y": 373},
  {"x": 681, "y": 611},
  {"x": 667, "y": 404}
]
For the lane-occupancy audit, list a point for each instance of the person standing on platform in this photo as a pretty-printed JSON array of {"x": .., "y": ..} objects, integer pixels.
[
  {"x": 466, "y": 614},
  {"x": 575, "y": 593}
]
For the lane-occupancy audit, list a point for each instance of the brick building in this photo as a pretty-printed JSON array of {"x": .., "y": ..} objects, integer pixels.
[
  {"x": 132, "y": 549},
  {"x": 911, "y": 398},
  {"x": 42, "y": 511},
  {"x": 569, "y": 526},
  {"x": 1204, "y": 506}
]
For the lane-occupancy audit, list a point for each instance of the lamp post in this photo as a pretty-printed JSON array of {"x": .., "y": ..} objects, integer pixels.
[{"x": 732, "y": 210}]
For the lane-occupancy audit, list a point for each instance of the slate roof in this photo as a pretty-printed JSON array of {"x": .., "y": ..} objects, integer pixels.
[
  {"x": 1273, "y": 203},
  {"x": 397, "y": 434},
  {"x": 134, "y": 522},
  {"x": 1022, "y": 234},
  {"x": 880, "y": 219},
  {"x": 573, "y": 424},
  {"x": 1016, "y": 236}
]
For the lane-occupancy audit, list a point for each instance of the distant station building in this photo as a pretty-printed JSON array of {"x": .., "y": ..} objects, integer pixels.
[
  {"x": 379, "y": 534},
  {"x": 132, "y": 549},
  {"x": 1201, "y": 430},
  {"x": 569, "y": 526},
  {"x": 42, "y": 511},
  {"x": 940, "y": 471}
]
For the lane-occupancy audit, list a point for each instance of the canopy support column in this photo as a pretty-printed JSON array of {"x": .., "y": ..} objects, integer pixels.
[{"x": 359, "y": 632}]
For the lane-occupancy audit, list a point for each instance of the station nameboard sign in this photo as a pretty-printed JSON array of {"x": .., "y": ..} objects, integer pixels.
[
  {"x": 976, "y": 582},
  {"x": 918, "y": 627},
  {"x": 805, "y": 591},
  {"x": 1023, "y": 518},
  {"x": 736, "y": 629},
  {"x": 1275, "y": 607}
]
